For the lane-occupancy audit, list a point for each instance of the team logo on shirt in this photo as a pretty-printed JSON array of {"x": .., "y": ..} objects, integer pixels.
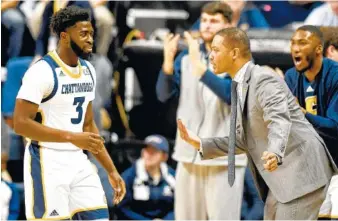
[
  {"x": 77, "y": 88},
  {"x": 311, "y": 104},
  {"x": 86, "y": 71},
  {"x": 62, "y": 74}
]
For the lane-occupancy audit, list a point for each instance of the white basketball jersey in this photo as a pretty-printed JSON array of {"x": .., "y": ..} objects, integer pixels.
[{"x": 64, "y": 101}]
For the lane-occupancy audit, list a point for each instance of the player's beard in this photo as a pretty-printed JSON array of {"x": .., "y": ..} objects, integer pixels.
[
  {"x": 309, "y": 58},
  {"x": 78, "y": 51}
]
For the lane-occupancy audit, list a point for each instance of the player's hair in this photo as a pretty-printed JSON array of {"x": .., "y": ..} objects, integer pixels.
[
  {"x": 237, "y": 38},
  {"x": 68, "y": 17},
  {"x": 314, "y": 30},
  {"x": 330, "y": 37},
  {"x": 223, "y": 8}
]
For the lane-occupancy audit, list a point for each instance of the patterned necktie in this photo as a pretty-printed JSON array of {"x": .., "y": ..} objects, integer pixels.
[{"x": 232, "y": 137}]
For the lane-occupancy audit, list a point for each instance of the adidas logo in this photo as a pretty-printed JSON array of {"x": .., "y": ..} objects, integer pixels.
[
  {"x": 54, "y": 213},
  {"x": 62, "y": 74},
  {"x": 309, "y": 89}
]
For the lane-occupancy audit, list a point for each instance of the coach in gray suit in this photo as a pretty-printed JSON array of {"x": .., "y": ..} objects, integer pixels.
[{"x": 288, "y": 159}]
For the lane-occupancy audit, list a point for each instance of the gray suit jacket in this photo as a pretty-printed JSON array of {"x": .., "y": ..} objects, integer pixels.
[{"x": 271, "y": 120}]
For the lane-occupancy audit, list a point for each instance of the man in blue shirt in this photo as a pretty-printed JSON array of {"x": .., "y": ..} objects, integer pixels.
[
  {"x": 150, "y": 184},
  {"x": 314, "y": 82}
]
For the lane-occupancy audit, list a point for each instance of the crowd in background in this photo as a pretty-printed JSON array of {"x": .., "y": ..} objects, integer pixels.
[{"x": 133, "y": 110}]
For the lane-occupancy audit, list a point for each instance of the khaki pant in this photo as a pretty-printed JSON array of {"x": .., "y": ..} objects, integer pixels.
[
  {"x": 104, "y": 23},
  {"x": 202, "y": 192}
]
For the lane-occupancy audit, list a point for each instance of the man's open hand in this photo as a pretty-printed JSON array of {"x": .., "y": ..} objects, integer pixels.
[
  {"x": 198, "y": 66},
  {"x": 196, "y": 143}
]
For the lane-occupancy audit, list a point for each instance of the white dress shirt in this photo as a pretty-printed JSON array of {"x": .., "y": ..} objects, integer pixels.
[{"x": 239, "y": 78}]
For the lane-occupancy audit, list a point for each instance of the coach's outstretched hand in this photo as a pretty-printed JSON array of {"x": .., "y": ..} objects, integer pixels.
[
  {"x": 118, "y": 185},
  {"x": 88, "y": 141},
  {"x": 184, "y": 134}
]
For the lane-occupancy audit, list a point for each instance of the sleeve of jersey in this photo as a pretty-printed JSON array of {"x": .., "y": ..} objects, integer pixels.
[
  {"x": 93, "y": 73},
  {"x": 37, "y": 83}
]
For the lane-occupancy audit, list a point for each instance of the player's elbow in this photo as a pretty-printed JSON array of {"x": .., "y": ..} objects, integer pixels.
[{"x": 19, "y": 125}]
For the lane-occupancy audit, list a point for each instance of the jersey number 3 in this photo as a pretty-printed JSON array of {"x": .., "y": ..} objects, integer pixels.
[{"x": 79, "y": 102}]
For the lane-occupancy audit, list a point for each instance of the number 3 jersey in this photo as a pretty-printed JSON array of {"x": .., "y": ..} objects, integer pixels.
[{"x": 62, "y": 93}]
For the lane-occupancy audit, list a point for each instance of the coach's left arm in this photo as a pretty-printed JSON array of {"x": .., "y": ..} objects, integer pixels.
[{"x": 103, "y": 157}]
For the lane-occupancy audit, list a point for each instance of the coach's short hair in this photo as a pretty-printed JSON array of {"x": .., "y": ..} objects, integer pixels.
[
  {"x": 215, "y": 7},
  {"x": 68, "y": 17},
  {"x": 314, "y": 30},
  {"x": 237, "y": 38}
]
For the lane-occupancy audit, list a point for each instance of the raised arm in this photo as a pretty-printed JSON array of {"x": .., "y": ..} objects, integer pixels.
[{"x": 168, "y": 81}]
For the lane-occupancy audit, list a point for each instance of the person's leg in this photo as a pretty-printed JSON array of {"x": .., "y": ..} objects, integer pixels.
[
  {"x": 303, "y": 208},
  {"x": 104, "y": 21},
  {"x": 15, "y": 22},
  {"x": 326, "y": 208},
  {"x": 189, "y": 198},
  {"x": 46, "y": 185},
  {"x": 223, "y": 202},
  {"x": 270, "y": 207},
  {"x": 333, "y": 190},
  {"x": 87, "y": 199},
  {"x": 35, "y": 21}
]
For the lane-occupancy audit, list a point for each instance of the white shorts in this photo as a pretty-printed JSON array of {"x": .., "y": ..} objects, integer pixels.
[
  {"x": 329, "y": 208},
  {"x": 62, "y": 185}
]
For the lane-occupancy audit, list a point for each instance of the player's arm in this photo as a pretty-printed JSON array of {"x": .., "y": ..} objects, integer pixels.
[
  {"x": 25, "y": 125},
  {"x": 104, "y": 158},
  {"x": 36, "y": 85},
  {"x": 272, "y": 97}
]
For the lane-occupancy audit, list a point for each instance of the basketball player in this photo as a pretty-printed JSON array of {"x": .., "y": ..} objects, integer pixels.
[
  {"x": 54, "y": 110},
  {"x": 314, "y": 82}
]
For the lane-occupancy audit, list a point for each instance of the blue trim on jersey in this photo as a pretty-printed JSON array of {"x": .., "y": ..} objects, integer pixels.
[
  {"x": 39, "y": 199},
  {"x": 34, "y": 142},
  {"x": 53, "y": 65},
  {"x": 84, "y": 63},
  {"x": 91, "y": 214}
]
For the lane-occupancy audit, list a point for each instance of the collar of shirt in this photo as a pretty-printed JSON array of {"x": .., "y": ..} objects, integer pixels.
[{"x": 239, "y": 77}]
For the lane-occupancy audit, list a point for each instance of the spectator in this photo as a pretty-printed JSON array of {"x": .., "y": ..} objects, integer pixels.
[
  {"x": 14, "y": 21},
  {"x": 245, "y": 15},
  {"x": 324, "y": 15},
  {"x": 314, "y": 82},
  {"x": 36, "y": 18},
  {"x": 330, "y": 42},
  {"x": 9, "y": 201},
  {"x": 10, "y": 197},
  {"x": 5, "y": 142},
  {"x": 104, "y": 22},
  {"x": 202, "y": 189},
  {"x": 150, "y": 184}
]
